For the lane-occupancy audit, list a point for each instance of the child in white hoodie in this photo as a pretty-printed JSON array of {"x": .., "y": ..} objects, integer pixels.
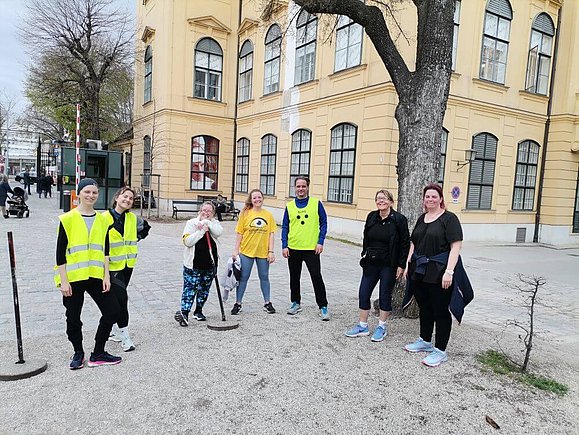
[{"x": 197, "y": 263}]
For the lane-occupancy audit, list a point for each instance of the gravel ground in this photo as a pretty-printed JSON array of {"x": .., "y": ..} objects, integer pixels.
[{"x": 283, "y": 374}]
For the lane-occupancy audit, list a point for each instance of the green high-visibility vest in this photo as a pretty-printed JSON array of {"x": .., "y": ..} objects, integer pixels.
[
  {"x": 304, "y": 225},
  {"x": 85, "y": 253},
  {"x": 123, "y": 249}
]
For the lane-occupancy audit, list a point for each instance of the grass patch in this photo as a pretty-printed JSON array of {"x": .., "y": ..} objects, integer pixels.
[{"x": 500, "y": 364}]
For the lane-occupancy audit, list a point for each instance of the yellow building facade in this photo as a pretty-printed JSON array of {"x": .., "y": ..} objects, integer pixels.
[{"x": 226, "y": 101}]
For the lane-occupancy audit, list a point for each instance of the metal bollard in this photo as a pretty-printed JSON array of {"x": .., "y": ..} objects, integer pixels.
[{"x": 65, "y": 200}]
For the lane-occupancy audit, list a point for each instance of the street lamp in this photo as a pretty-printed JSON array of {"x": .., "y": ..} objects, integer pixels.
[{"x": 469, "y": 157}]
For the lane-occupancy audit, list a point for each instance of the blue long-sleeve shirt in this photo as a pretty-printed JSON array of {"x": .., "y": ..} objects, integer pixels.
[{"x": 302, "y": 203}]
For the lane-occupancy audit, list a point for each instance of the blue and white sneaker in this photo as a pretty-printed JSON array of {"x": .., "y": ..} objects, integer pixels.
[
  {"x": 324, "y": 314},
  {"x": 294, "y": 308},
  {"x": 358, "y": 331},
  {"x": 419, "y": 346},
  {"x": 380, "y": 333},
  {"x": 435, "y": 358}
]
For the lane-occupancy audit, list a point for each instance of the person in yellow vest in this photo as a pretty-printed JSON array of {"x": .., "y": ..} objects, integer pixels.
[
  {"x": 125, "y": 229},
  {"x": 82, "y": 265},
  {"x": 303, "y": 233}
]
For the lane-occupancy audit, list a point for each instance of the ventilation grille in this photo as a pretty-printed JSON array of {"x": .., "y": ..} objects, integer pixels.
[{"x": 521, "y": 235}]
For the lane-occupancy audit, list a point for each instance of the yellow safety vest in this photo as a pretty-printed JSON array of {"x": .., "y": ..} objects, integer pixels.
[
  {"x": 123, "y": 249},
  {"x": 304, "y": 225},
  {"x": 85, "y": 253}
]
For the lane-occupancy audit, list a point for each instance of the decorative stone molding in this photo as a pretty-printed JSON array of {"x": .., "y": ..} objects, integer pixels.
[
  {"x": 209, "y": 22},
  {"x": 148, "y": 34}
]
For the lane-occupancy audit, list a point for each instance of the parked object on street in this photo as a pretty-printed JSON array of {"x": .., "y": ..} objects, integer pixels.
[{"x": 17, "y": 204}]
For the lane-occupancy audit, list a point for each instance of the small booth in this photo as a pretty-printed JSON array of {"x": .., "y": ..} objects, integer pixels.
[{"x": 105, "y": 167}]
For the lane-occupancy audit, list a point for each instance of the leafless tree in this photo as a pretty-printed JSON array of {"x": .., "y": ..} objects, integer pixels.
[{"x": 7, "y": 117}]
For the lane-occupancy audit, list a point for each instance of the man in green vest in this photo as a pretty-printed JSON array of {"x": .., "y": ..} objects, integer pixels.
[{"x": 303, "y": 233}]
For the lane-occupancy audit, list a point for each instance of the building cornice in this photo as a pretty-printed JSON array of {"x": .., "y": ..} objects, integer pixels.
[
  {"x": 247, "y": 24},
  {"x": 148, "y": 34},
  {"x": 209, "y": 22}
]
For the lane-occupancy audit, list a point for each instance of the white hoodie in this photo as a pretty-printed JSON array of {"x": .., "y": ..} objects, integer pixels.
[{"x": 192, "y": 234}]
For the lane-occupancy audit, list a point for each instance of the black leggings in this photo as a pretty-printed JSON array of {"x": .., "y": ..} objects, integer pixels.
[
  {"x": 119, "y": 283},
  {"x": 433, "y": 302},
  {"x": 370, "y": 277},
  {"x": 312, "y": 260},
  {"x": 108, "y": 306}
]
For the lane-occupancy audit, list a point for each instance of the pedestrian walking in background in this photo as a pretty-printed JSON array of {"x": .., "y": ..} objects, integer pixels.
[
  {"x": 5, "y": 189},
  {"x": 384, "y": 254},
  {"x": 82, "y": 265},
  {"x": 26, "y": 179},
  {"x": 125, "y": 230},
  {"x": 303, "y": 233},
  {"x": 198, "y": 267},
  {"x": 435, "y": 273},
  {"x": 254, "y": 243}
]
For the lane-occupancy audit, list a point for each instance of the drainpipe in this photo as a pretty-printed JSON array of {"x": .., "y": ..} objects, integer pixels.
[
  {"x": 232, "y": 196},
  {"x": 546, "y": 133}
]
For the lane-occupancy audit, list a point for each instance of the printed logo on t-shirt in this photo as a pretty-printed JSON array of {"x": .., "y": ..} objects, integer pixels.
[{"x": 258, "y": 223}]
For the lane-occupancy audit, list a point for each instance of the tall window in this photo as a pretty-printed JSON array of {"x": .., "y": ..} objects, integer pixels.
[
  {"x": 442, "y": 165},
  {"x": 272, "y": 60},
  {"x": 526, "y": 175},
  {"x": 300, "y": 157},
  {"x": 148, "y": 84},
  {"x": 348, "y": 43},
  {"x": 342, "y": 158},
  {"x": 576, "y": 212},
  {"x": 540, "y": 49},
  {"x": 147, "y": 161},
  {"x": 495, "y": 42},
  {"x": 455, "y": 34},
  {"x": 204, "y": 162},
  {"x": 208, "y": 70},
  {"x": 245, "y": 71},
  {"x": 268, "y": 157},
  {"x": 242, "y": 177},
  {"x": 307, "y": 31},
  {"x": 482, "y": 172}
]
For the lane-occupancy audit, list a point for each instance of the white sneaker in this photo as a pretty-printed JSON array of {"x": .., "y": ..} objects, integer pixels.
[
  {"x": 115, "y": 335},
  {"x": 127, "y": 343}
]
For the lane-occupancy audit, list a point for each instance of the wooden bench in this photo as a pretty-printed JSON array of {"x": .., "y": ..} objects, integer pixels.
[{"x": 186, "y": 206}]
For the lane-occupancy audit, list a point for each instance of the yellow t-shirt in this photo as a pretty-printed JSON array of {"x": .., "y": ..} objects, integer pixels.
[{"x": 255, "y": 228}]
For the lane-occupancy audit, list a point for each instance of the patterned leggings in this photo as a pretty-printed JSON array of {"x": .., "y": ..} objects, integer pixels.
[{"x": 196, "y": 284}]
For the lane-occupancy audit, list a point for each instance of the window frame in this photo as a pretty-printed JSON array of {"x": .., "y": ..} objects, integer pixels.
[
  {"x": 341, "y": 151},
  {"x": 490, "y": 68},
  {"x": 148, "y": 77},
  {"x": 208, "y": 71},
  {"x": 456, "y": 28},
  {"x": 245, "y": 91},
  {"x": 267, "y": 168},
  {"x": 526, "y": 165},
  {"x": 537, "y": 58},
  {"x": 147, "y": 161},
  {"x": 484, "y": 162},
  {"x": 347, "y": 28},
  {"x": 575, "y": 223},
  {"x": 443, "y": 152},
  {"x": 306, "y": 24},
  {"x": 272, "y": 57},
  {"x": 209, "y": 159},
  {"x": 242, "y": 165},
  {"x": 299, "y": 153}
]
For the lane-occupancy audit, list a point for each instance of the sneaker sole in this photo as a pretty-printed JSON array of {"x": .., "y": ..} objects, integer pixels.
[
  {"x": 115, "y": 339},
  {"x": 200, "y": 319},
  {"x": 269, "y": 312},
  {"x": 434, "y": 365},
  {"x": 79, "y": 367},
  {"x": 378, "y": 340},
  {"x": 181, "y": 320},
  {"x": 360, "y": 334},
  {"x": 129, "y": 349},
  {"x": 293, "y": 313},
  {"x": 102, "y": 363},
  {"x": 417, "y": 351}
]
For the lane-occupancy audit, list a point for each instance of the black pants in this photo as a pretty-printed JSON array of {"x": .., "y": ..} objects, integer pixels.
[
  {"x": 119, "y": 283},
  {"x": 370, "y": 276},
  {"x": 433, "y": 302},
  {"x": 108, "y": 306},
  {"x": 314, "y": 266},
  {"x": 220, "y": 209}
]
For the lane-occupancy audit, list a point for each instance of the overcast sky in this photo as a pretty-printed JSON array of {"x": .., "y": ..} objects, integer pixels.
[{"x": 13, "y": 61}]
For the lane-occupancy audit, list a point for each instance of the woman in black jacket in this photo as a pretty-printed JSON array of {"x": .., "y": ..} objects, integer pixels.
[{"x": 385, "y": 249}]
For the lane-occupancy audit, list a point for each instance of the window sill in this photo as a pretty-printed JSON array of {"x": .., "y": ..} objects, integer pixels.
[
  {"x": 530, "y": 212},
  {"x": 148, "y": 103},
  {"x": 308, "y": 84},
  {"x": 455, "y": 76},
  {"x": 532, "y": 95},
  {"x": 493, "y": 86},
  {"x": 478, "y": 210},
  {"x": 271, "y": 95},
  {"x": 348, "y": 71},
  {"x": 245, "y": 102},
  {"x": 341, "y": 204},
  {"x": 199, "y": 100}
]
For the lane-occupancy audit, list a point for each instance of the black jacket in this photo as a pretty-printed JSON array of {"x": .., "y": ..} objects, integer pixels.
[{"x": 399, "y": 242}]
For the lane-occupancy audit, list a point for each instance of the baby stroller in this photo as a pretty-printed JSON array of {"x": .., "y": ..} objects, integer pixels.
[{"x": 17, "y": 204}]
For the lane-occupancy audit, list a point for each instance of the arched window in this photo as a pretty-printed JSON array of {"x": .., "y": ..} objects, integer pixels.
[
  {"x": 342, "y": 160},
  {"x": 268, "y": 161},
  {"x": 540, "y": 50},
  {"x": 272, "y": 60},
  {"x": 307, "y": 31},
  {"x": 456, "y": 21},
  {"x": 526, "y": 175},
  {"x": 242, "y": 176},
  {"x": 147, "y": 161},
  {"x": 348, "y": 43},
  {"x": 495, "y": 43},
  {"x": 245, "y": 71},
  {"x": 208, "y": 69},
  {"x": 442, "y": 166},
  {"x": 482, "y": 172},
  {"x": 300, "y": 156},
  {"x": 148, "y": 83},
  {"x": 204, "y": 162}
]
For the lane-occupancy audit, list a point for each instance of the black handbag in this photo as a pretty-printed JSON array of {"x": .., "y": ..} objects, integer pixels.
[{"x": 374, "y": 256}]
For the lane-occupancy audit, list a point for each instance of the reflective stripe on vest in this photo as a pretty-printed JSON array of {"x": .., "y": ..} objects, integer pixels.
[
  {"x": 85, "y": 257},
  {"x": 123, "y": 249},
  {"x": 304, "y": 225}
]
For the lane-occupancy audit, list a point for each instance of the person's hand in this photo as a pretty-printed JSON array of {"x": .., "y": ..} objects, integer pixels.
[
  {"x": 66, "y": 289},
  {"x": 446, "y": 280},
  {"x": 270, "y": 257},
  {"x": 106, "y": 283},
  {"x": 319, "y": 249},
  {"x": 400, "y": 273},
  {"x": 234, "y": 255},
  {"x": 285, "y": 252}
]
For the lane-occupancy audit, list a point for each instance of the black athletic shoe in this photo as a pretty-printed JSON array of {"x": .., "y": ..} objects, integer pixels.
[
  {"x": 269, "y": 308},
  {"x": 104, "y": 359},
  {"x": 182, "y": 317},
  {"x": 236, "y": 309},
  {"x": 77, "y": 361},
  {"x": 199, "y": 316}
]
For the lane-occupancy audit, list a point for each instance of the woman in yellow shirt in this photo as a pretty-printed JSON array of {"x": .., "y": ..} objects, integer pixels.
[{"x": 254, "y": 243}]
